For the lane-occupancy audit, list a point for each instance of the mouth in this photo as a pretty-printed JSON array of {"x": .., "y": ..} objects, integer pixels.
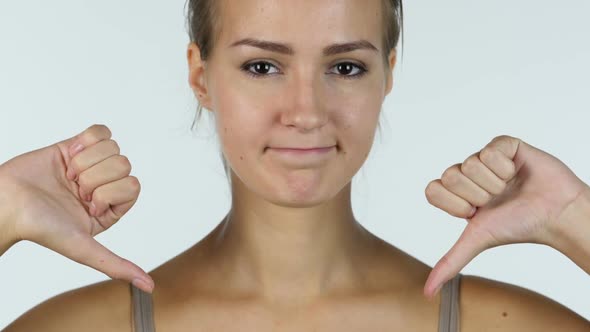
[
  {"x": 298, "y": 149},
  {"x": 302, "y": 156}
]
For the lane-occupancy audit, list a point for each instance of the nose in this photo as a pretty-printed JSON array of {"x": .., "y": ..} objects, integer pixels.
[{"x": 305, "y": 108}]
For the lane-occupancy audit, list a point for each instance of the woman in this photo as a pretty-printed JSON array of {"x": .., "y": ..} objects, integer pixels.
[{"x": 289, "y": 255}]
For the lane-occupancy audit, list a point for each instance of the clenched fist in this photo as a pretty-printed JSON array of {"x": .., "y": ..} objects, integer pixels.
[
  {"x": 68, "y": 192},
  {"x": 509, "y": 192}
]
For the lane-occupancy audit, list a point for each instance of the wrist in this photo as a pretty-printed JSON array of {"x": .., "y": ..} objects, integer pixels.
[
  {"x": 8, "y": 215},
  {"x": 571, "y": 235}
]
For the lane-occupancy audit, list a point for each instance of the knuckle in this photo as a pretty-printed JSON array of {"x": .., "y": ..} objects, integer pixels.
[
  {"x": 452, "y": 212},
  {"x": 98, "y": 132},
  {"x": 98, "y": 197},
  {"x": 126, "y": 265},
  {"x": 135, "y": 185},
  {"x": 503, "y": 137},
  {"x": 115, "y": 146},
  {"x": 90, "y": 137},
  {"x": 487, "y": 154},
  {"x": 450, "y": 177},
  {"x": 102, "y": 128},
  {"x": 132, "y": 203},
  {"x": 118, "y": 266},
  {"x": 466, "y": 211},
  {"x": 124, "y": 161},
  {"x": 497, "y": 139},
  {"x": 430, "y": 190},
  {"x": 459, "y": 213},
  {"x": 107, "y": 131},
  {"x": 116, "y": 274},
  {"x": 470, "y": 165}
]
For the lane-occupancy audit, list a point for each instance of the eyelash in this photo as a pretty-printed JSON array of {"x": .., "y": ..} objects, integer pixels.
[{"x": 362, "y": 68}]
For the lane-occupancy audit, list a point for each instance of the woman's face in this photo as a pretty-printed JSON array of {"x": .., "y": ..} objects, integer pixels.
[{"x": 306, "y": 94}]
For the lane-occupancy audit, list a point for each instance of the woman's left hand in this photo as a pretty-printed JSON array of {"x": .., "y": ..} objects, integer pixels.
[{"x": 509, "y": 192}]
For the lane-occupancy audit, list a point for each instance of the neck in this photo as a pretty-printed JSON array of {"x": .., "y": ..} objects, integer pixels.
[{"x": 289, "y": 252}]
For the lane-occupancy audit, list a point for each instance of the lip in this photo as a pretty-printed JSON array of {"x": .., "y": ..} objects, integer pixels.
[
  {"x": 304, "y": 150},
  {"x": 302, "y": 157}
]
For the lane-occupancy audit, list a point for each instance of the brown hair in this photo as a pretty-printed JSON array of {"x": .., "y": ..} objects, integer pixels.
[{"x": 204, "y": 27}]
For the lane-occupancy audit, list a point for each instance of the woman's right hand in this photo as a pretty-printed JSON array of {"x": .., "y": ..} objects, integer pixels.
[{"x": 56, "y": 189}]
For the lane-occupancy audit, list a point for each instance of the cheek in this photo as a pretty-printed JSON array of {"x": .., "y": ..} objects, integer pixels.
[
  {"x": 357, "y": 104},
  {"x": 358, "y": 123},
  {"x": 239, "y": 124}
]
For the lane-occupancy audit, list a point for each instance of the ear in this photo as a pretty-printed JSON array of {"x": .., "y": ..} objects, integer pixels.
[
  {"x": 392, "y": 61},
  {"x": 196, "y": 77}
]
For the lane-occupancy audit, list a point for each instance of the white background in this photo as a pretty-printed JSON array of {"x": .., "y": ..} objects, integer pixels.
[{"x": 471, "y": 70}]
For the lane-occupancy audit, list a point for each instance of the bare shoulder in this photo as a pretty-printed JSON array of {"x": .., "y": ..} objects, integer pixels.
[
  {"x": 490, "y": 305},
  {"x": 103, "y": 306}
]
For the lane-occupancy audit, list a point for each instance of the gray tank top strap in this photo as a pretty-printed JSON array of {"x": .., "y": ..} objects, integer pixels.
[
  {"x": 142, "y": 310},
  {"x": 449, "y": 306}
]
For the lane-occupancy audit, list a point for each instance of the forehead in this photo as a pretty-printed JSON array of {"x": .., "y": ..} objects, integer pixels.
[{"x": 301, "y": 22}]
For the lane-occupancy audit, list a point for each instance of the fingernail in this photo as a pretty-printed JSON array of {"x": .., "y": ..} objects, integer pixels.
[
  {"x": 75, "y": 149},
  {"x": 92, "y": 209},
  {"x": 142, "y": 284}
]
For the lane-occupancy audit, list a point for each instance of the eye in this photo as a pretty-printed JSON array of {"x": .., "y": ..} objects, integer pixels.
[
  {"x": 348, "y": 67},
  {"x": 259, "y": 66},
  {"x": 261, "y": 69}
]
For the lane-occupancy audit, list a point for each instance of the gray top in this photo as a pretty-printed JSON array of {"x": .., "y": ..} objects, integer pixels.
[
  {"x": 448, "y": 317},
  {"x": 143, "y": 314}
]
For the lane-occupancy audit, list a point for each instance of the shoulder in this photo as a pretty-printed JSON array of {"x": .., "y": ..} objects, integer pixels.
[
  {"x": 490, "y": 305},
  {"x": 103, "y": 306}
]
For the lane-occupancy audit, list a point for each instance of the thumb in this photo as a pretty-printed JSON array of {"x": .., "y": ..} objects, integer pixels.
[
  {"x": 90, "y": 252},
  {"x": 88, "y": 137},
  {"x": 469, "y": 245},
  {"x": 71, "y": 146}
]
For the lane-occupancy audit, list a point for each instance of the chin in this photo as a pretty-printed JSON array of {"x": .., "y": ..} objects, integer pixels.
[
  {"x": 287, "y": 184},
  {"x": 302, "y": 189}
]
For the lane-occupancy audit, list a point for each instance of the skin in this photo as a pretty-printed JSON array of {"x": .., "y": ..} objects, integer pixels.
[
  {"x": 291, "y": 229},
  {"x": 289, "y": 255}
]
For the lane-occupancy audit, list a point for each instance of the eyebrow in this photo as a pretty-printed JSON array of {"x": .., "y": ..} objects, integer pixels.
[{"x": 287, "y": 49}]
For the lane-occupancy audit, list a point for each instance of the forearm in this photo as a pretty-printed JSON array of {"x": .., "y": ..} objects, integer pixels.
[{"x": 573, "y": 237}]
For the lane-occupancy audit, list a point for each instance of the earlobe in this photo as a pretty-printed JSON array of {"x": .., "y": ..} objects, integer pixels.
[
  {"x": 389, "y": 74},
  {"x": 392, "y": 58},
  {"x": 196, "y": 69}
]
